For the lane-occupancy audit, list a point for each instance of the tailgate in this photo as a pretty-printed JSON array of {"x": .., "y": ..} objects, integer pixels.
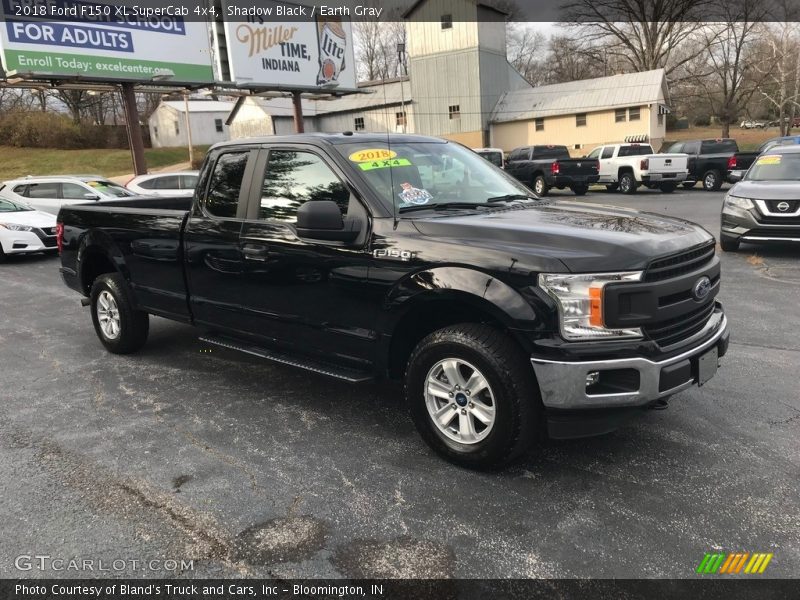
[
  {"x": 581, "y": 167},
  {"x": 667, "y": 163}
]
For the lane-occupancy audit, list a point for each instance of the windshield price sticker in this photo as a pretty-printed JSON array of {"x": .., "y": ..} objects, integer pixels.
[
  {"x": 771, "y": 159},
  {"x": 384, "y": 164},
  {"x": 371, "y": 154}
]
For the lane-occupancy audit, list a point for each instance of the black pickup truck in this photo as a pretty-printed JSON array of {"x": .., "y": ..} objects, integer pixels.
[
  {"x": 713, "y": 162},
  {"x": 544, "y": 167},
  {"x": 369, "y": 256}
]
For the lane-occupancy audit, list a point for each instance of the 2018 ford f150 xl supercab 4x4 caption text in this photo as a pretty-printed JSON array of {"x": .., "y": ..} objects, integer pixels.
[{"x": 367, "y": 256}]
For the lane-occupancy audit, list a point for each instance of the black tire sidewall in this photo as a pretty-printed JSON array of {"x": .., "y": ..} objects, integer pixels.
[
  {"x": 511, "y": 411},
  {"x": 133, "y": 324}
]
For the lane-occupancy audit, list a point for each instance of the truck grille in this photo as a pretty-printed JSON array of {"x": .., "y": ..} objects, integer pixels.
[
  {"x": 773, "y": 205},
  {"x": 680, "y": 264},
  {"x": 770, "y": 220},
  {"x": 671, "y": 331}
]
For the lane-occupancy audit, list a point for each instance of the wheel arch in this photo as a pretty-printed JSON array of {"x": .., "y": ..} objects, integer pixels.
[{"x": 98, "y": 255}]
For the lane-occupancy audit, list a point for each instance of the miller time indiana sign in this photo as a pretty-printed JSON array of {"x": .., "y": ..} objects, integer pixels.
[{"x": 269, "y": 45}]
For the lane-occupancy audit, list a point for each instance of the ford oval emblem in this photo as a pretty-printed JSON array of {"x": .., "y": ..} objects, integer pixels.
[
  {"x": 702, "y": 288},
  {"x": 783, "y": 206}
]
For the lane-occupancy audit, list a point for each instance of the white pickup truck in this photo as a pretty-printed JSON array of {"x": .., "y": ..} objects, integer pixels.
[{"x": 627, "y": 166}]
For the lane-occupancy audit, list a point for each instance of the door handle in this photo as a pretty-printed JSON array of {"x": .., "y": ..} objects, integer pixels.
[{"x": 255, "y": 252}]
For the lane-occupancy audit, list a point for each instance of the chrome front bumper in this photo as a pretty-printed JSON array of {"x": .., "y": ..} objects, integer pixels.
[{"x": 563, "y": 384}]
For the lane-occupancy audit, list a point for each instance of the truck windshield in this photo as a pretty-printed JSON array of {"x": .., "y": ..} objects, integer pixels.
[
  {"x": 775, "y": 167},
  {"x": 419, "y": 174}
]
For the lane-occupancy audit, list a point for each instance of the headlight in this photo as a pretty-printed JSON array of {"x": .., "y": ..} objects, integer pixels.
[
  {"x": 15, "y": 227},
  {"x": 580, "y": 304},
  {"x": 737, "y": 202}
]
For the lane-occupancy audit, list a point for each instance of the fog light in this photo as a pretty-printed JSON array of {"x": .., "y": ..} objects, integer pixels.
[{"x": 592, "y": 378}]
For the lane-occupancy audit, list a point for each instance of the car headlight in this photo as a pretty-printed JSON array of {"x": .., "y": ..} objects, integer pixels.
[
  {"x": 580, "y": 304},
  {"x": 737, "y": 202},
  {"x": 16, "y": 227}
]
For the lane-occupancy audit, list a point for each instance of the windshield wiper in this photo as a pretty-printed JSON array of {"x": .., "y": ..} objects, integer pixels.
[
  {"x": 512, "y": 197},
  {"x": 448, "y": 205}
]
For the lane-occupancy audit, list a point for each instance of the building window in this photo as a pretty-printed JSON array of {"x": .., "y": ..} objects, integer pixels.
[
  {"x": 660, "y": 119},
  {"x": 455, "y": 111},
  {"x": 400, "y": 119},
  {"x": 218, "y": 125},
  {"x": 447, "y": 22},
  {"x": 580, "y": 120},
  {"x": 359, "y": 123},
  {"x": 619, "y": 115},
  {"x": 539, "y": 124},
  {"x": 633, "y": 114},
  {"x": 177, "y": 129},
  {"x": 577, "y": 146}
]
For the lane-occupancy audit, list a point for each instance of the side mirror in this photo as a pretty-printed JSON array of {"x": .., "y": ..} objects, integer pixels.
[
  {"x": 322, "y": 220},
  {"x": 90, "y": 196},
  {"x": 734, "y": 177}
]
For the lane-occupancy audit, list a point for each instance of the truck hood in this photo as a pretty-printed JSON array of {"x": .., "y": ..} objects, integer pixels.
[
  {"x": 584, "y": 237},
  {"x": 767, "y": 190}
]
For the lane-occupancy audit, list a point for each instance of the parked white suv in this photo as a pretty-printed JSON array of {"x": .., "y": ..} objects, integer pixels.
[
  {"x": 627, "y": 166},
  {"x": 164, "y": 184},
  {"x": 49, "y": 193}
]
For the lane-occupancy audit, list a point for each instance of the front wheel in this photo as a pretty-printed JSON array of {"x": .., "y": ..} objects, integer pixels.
[
  {"x": 627, "y": 183},
  {"x": 667, "y": 188},
  {"x": 472, "y": 395},
  {"x": 540, "y": 186},
  {"x": 121, "y": 328}
]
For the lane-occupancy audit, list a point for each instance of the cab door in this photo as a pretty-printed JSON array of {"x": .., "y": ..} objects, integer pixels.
[
  {"x": 212, "y": 254},
  {"x": 306, "y": 296}
]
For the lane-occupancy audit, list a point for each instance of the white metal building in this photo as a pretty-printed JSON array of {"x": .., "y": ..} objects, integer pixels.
[{"x": 207, "y": 119}]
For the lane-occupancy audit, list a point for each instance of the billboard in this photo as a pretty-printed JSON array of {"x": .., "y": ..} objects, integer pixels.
[
  {"x": 97, "y": 41},
  {"x": 264, "y": 50}
]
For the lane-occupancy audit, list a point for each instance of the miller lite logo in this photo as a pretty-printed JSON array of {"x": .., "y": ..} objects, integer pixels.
[{"x": 332, "y": 45}]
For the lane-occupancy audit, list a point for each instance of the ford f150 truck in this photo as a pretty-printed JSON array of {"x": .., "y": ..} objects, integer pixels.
[
  {"x": 544, "y": 167},
  {"x": 627, "y": 166},
  {"x": 713, "y": 161},
  {"x": 368, "y": 256}
]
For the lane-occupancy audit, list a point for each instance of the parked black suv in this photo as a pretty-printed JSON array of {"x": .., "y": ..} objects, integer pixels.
[{"x": 368, "y": 256}]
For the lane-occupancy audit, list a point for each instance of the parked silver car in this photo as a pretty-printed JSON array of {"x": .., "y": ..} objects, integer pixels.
[
  {"x": 50, "y": 193},
  {"x": 164, "y": 184},
  {"x": 765, "y": 205}
]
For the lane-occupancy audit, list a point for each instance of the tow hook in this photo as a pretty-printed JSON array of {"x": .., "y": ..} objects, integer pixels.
[
  {"x": 661, "y": 404},
  {"x": 86, "y": 301}
]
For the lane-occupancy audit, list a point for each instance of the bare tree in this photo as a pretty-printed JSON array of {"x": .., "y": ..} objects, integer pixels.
[
  {"x": 645, "y": 35},
  {"x": 376, "y": 47},
  {"x": 725, "y": 75},
  {"x": 778, "y": 63},
  {"x": 526, "y": 48}
]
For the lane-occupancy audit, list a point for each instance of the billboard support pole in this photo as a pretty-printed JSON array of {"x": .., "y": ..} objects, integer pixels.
[
  {"x": 134, "y": 129},
  {"x": 298, "y": 112}
]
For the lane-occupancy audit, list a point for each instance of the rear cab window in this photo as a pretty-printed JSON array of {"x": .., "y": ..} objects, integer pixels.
[
  {"x": 635, "y": 150},
  {"x": 550, "y": 152},
  {"x": 718, "y": 146}
]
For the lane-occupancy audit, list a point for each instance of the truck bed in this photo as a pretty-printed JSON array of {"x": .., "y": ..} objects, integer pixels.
[{"x": 145, "y": 232}]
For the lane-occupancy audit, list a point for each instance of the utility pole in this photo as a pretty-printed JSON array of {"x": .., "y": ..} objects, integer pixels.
[
  {"x": 298, "y": 112},
  {"x": 135, "y": 140}
]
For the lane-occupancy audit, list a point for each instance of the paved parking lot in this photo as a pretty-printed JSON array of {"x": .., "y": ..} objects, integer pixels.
[{"x": 247, "y": 468}]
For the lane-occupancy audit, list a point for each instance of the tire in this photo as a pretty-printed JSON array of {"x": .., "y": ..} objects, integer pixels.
[
  {"x": 580, "y": 190},
  {"x": 728, "y": 245},
  {"x": 627, "y": 184},
  {"x": 612, "y": 187},
  {"x": 111, "y": 303},
  {"x": 688, "y": 185},
  {"x": 712, "y": 181},
  {"x": 2, "y": 254},
  {"x": 540, "y": 186},
  {"x": 667, "y": 188},
  {"x": 510, "y": 389}
]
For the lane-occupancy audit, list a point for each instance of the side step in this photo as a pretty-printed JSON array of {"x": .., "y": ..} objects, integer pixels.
[{"x": 309, "y": 364}]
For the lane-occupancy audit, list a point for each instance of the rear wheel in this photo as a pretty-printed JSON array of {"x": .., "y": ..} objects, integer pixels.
[
  {"x": 580, "y": 190},
  {"x": 472, "y": 395},
  {"x": 121, "y": 328},
  {"x": 667, "y": 188},
  {"x": 540, "y": 186},
  {"x": 728, "y": 245},
  {"x": 627, "y": 183},
  {"x": 712, "y": 181}
]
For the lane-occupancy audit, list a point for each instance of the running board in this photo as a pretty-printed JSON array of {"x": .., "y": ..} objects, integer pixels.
[{"x": 309, "y": 364}]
